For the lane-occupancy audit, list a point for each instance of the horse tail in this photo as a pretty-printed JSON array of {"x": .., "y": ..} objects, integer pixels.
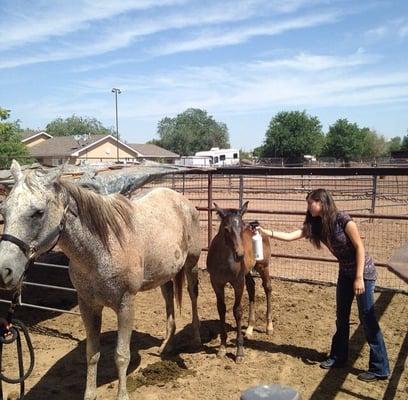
[{"x": 178, "y": 287}]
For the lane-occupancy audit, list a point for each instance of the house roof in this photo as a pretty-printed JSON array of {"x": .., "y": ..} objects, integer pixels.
[
  {"x": 152, "y": 150},
  {"x": 63, "y": 146},
  {"x": 28, "y": 134}
]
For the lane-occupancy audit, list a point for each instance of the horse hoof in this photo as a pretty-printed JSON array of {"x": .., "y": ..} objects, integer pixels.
[
  {"x": 239, "y": 359},
  {"x": 221, "y": 352},
  {"x": 196, "y": 345},
  {"x": 249, "y": 332},
  {"x": 269, "y": 329}
]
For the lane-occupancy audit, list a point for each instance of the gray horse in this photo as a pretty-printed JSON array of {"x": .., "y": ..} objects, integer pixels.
[{"x": 116, "y": 248}]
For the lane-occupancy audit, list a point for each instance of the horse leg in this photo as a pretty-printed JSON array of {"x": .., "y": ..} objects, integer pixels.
[
  {"x": 125, "y": 317},
  {"x": 250, "y": 285},
  {"x": 168, "y": 293},
  {"x": 92, "y": 318},
  {"x": 192, "y": 284},
  {"x": 238, "y": 290},
  {"x": 220, "y": 294},
  {"x": 267, "y": 285}
]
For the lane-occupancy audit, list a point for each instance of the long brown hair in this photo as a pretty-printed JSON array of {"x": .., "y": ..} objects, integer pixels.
[{"x": 320, "y": 229}]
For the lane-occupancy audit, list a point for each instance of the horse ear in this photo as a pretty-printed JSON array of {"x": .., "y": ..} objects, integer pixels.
[
  {"x": 219, "y": 210},
  {"x": 15, "y": 170},
  {"x": 244, "y": 208}
]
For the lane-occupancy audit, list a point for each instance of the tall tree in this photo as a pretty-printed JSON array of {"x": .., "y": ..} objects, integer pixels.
[
  {"x": 404, "y": 144},
  {"x": 76, "y": 125},
  {"x": 394, "y": 144},
  {"x": 292, "y": 134},
  {"x": 345, "y": 141},
  {"x": 191, "y": 131},
  {"x": 374, "y": 145},
  {"x": 10, "y": 139}
]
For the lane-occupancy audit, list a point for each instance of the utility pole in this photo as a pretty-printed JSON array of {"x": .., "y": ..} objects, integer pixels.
[{"x": 116, "y": 91}]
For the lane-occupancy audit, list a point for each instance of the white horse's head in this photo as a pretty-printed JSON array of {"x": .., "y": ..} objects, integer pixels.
[{"x": 32, "y": 211}]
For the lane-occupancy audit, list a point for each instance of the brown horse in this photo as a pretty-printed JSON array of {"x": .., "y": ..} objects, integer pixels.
[{"x": 230, "y": 260}]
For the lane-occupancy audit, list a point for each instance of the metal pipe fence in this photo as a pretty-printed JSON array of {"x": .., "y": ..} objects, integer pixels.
[{"x": 377, "y": 198}]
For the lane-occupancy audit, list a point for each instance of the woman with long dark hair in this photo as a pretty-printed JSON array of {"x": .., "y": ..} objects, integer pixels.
[{"x": 357, "y": 275}]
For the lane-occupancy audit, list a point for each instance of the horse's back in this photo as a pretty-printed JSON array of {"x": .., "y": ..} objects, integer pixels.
[
  {"x": 162, "y": 203},
  {"x": 169, "y": 234}
]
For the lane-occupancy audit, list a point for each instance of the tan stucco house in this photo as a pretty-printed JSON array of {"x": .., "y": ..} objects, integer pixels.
[
  {"x": 90, "y": 149},
  {"x": 31, "y": 138}
]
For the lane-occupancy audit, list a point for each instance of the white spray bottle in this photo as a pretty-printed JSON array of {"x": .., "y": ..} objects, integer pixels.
[{"x": 257, "y": 244}]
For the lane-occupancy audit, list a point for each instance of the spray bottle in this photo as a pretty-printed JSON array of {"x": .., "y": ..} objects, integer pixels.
[{"x": 257, "y": 244}]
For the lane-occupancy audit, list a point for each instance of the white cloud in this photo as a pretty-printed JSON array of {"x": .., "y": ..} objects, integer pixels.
[
  {"x": 314, "y": 62},
  {"x": 396, "y": 27},
  {"x": 113, "y": 35},
  {"x": 24, "y": 24},
  {"x": 323, "y": 81},
  {"x": 72, "y": 30},
  {"x": 239, "y": 34}
]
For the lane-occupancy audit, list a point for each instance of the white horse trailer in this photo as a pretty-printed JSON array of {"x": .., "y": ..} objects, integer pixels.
[
  {"x": 215, "y": 157},
  {"x": 220, "y": 157},
  {"x": 194, "y": 161}
]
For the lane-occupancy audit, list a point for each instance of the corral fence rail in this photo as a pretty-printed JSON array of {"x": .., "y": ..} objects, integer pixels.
[{"x": 377, "y": 198}]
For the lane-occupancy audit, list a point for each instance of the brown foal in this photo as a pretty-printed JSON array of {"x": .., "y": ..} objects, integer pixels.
[{"x": 230, "y": 260}]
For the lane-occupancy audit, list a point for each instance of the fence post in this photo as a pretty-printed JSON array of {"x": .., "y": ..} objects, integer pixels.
[
  {"x": 241, "y": 191},
  {"x": 184, "y": 183},
  {"x": 209, "y": 206},
  {"x": 374, "y": 194}
]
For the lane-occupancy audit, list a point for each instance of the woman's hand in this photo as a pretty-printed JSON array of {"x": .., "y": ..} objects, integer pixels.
[
  {"x": 261, "y": 230},
  {"x": 358, "y": 286}
]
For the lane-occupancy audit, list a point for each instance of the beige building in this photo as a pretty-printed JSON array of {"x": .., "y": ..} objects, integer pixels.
[
  {"x": 91, "y": 149},
  {"x": 30, "y": 138}
]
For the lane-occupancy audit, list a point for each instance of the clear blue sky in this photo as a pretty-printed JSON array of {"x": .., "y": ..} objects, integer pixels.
[{"x": 242, "y": 61}]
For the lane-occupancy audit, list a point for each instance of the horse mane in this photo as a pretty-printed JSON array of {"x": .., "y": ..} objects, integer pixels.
[{"x": 101, "y": 214}]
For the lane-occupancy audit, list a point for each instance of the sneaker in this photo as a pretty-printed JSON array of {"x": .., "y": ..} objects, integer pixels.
[
  {"x": 331, "y": 363},
  {"x": 370, "y": 377}
]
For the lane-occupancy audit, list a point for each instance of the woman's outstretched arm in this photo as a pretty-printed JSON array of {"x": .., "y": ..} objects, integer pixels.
[{"x": 286, "y": 236}]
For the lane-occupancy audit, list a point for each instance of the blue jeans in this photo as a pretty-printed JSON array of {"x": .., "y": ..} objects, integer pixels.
[{"x": 378, "y": 363}]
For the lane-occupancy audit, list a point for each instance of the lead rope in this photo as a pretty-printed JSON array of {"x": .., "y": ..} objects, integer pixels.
[{"x": 11, "y": 333}]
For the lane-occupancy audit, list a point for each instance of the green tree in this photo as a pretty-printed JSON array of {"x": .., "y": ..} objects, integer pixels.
[
  {"x": 191, "y": 131},
  {"x": 292, "y": 134},
  {"x": 374, "y": 145},
  {"x": 10, "y": 139},
  {"x": 394, "y": 144},
  {"x": 75, "y": 125},
  {"x": 345, "y": 141},
  {"x": 404, "y": 144}
]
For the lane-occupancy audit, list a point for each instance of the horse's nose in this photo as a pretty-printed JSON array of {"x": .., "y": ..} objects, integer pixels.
[{"x": 6, "y": 276}]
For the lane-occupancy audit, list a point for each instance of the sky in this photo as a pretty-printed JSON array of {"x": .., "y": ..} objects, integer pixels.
[{"x": 241, "y": 61}]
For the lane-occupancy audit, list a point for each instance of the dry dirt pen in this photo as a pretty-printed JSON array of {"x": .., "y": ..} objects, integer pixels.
[{"x": 303, "y": 314}]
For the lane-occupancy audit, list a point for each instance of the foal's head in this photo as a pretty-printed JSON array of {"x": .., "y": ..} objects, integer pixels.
[{"x": 232, "y": 227}]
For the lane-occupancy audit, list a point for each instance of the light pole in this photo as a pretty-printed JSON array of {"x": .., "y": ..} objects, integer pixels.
[{"x": 117, "y": 91}]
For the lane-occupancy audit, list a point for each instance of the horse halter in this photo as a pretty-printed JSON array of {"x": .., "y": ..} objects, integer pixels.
[{"x": 31, "y": 252}]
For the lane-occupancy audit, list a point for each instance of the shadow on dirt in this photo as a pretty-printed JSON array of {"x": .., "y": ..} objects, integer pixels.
[{"x": 66, "y": 379}]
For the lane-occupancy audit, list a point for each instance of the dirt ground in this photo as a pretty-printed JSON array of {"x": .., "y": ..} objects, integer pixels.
[{"x": 303, "y": 317}]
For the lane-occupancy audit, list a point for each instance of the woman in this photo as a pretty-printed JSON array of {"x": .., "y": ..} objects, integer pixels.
[{"x": 357, "y": 275}]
